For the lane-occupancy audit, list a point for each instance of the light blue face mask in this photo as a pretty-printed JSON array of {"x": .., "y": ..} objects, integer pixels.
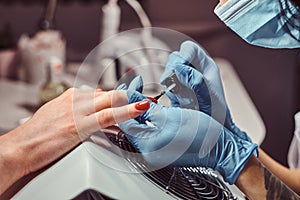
[{"x": 266, "y": 23}]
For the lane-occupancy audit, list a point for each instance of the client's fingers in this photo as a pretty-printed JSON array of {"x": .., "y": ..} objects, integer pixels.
[
  {"x": 87, "y": 103},
  {"x": 111, "y": 116},
  {"x": 113, "y": 98}
]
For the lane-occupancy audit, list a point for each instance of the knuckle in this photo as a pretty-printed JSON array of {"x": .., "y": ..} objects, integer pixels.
[
  {"x": 105, "y": 119},
  {"x": 70, "y": 91},
  {"x": 69, "y": 94},
  {"x": 111, "y": 93}
]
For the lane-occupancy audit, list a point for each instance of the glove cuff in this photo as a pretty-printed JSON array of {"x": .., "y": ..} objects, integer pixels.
[{"x": 235, "y": 157}]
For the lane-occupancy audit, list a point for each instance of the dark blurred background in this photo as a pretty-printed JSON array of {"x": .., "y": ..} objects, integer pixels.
[{"x": 271, "y": 77}]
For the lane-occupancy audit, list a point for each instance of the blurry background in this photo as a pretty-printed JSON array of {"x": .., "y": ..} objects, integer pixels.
[{"x": 271, "y": 77}]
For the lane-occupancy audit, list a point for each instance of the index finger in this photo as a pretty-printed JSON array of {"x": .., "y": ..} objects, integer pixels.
[{"x": 111, "y": 116}]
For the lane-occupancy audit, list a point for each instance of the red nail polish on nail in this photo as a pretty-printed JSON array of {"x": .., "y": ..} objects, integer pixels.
[
  {"x": 143, "y": 105},
  {"x": 152, "y": 99}
]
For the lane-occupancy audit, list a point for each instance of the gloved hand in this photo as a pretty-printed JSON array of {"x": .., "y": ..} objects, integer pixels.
[
  {"x": 199, "y": 76},
  {"x": 184, "y": 137}
]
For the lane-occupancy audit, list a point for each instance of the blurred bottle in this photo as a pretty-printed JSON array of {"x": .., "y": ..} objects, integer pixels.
[
  {"x": 111, "y": 19},
  {"x": 54, "y": 85}
]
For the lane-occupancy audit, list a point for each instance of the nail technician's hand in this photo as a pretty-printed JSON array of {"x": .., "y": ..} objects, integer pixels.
[
  {"x": 58, "y": 126},
  {"x": 185, "y": 137},
  {"x": 200, "y": 78}
]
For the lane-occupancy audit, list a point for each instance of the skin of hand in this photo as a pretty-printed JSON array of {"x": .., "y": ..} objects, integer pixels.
[
  {"x": 59, "y": 126},
  {"x": 223, "y": 1}
]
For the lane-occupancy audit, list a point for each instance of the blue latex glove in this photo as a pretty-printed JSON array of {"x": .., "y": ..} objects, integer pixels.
[
  {"x": 199, "y": 74},
  {"x": 184, "y": 137}
]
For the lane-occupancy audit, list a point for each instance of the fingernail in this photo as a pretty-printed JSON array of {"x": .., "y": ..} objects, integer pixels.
[
  {"x": 143, "y": 105},
  {"x": 99, "y": 90},
  {"x": 152, "y": 99}
]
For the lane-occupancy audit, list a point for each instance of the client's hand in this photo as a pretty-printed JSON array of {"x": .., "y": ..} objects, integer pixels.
[
  {"x": 184, "y": 137},
  {"x": 59, "y": 126}
]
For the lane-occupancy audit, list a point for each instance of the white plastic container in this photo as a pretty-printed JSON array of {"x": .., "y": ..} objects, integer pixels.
[{"x": 35, "y": 53}]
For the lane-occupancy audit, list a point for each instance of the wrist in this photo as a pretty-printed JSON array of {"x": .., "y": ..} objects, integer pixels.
[
  {"x": 250, "y": 179},
  {"x": 236, "y": 153},
  {"x": 12, "y": 164},
  {"x": 12, "y": 154}
]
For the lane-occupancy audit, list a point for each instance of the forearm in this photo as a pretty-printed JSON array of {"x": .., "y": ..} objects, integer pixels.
[
  {"x": 59, "y": 126},
  {"x": 43, "y": 143},
  {"x": 257, "y": 182},
  {"x": 29, "y": 148},
  {"x": 291, "y": 177},
  {"x": 11, "y": 165}
]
